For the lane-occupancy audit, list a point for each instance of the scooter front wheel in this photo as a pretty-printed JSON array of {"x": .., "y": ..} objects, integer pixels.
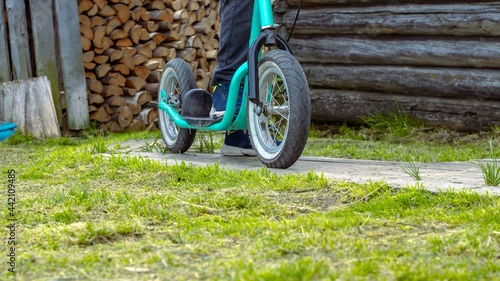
[
  {"x": 176, "y": 80},
  {"x": 279, "y": 126}
]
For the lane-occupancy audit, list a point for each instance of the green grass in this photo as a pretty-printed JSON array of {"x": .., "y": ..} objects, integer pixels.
[
  {"x": 491, "y": 170},
  {"x": 84, "y": 216},
  {"x": 407, "y": 141}
]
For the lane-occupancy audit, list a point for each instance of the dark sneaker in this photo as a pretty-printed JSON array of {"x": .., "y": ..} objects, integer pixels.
[{"x": 237, "y": 143}]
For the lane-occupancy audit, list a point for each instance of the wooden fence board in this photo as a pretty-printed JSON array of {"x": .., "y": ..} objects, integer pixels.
[
  {"x": 44, "y": 38},
  {"x": 4, "y": 49},
  {"x": 472, "y": 52},
  {"x": 72, "y": 68},
  {"x": 19, "y": 42},
  {"x": 481, "y": 84},
  {"x": 421, "y": 20},
  {"x": 350, "y": 106}
]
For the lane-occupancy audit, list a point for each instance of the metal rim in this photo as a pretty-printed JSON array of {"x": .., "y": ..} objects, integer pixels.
[
  {"x": 271, "y": 124},
  {"x": 170, "y": 84}
]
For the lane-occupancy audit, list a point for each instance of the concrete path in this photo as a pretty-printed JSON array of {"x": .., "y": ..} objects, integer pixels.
[{"x": 435, "y": 176}]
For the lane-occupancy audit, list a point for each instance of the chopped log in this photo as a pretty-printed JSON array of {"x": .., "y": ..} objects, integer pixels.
[
  {"x": 162, "y": 15},
  {"x": 88, "y": 56},
  {"x": 124, "y": 42},
  {"x": 113, "y": 54},
  {"x": 136, "y": 125},
  {"x": 154, "y": 76},
  {"x": 128, "y": 61},
  {"x": 129, "y": 91},
  {"x": 135, "y": 108},
  {"x": 118, "y": 34},
  {"x": 156, "y": 5},
  {"x": 111, "y": 24},
  {"x": 137, "y": 12},
  {"x": 84, "y": 20},
  {"x": 135, "y": 34},
  {"x": 114, "y": 78},
  {"x": 89, "y": 65},
  {"x": 188, "y": 54},
  {"x": 84, "y": 6},
  {"x": 161, "y": 52},
  {"x": 150, "y": 26},
  {"x": 148, "y": 115},
  {"x": 140, "y": 98},
  {"x": 123, "y": 115},
  {"x": 95, "y": 86},
  {"x": 139, "y": 59},
  {"x": 100, "y": 115},
  {"x": 152, "y": 88},
  {"x": 155, "y": 63},
  {"x": 101, "y": 59},
  {"x": 142, "y": 72},
  {"x": 90, "y": 75},
  {"x": 116, "y": 101},
  {"x": 100, "y": 3},
  {"x": 110, "y": 90},
  {"x": 95, "y": 99},
  {"x": 113, "y": 126},
  {"x": 157, "y": 37},
  {"x": 135, "y": 82},
  {"x": 103, "y": 69},
  {"x": 122, "y": 12},
  {"x": 107, "y": 11},
  {"x": 122, "y": 68},
  {"x": 181, "y": 14},
  {"x": 129, "y": 51},
  {"x": 128, "y": 25},
  {"x": 187, "y": 30},
  {"x": 93, "y": 11},
  {"x": 144, "y": 50}
]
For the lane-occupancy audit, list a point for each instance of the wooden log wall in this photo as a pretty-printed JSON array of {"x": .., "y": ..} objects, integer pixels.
[
  {"x": 438, "y": 60},
  {"x": 126, "y": 44},
  {"x": 30, "y": 47}
]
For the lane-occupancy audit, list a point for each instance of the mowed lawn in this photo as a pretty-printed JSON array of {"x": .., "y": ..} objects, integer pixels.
[{"x": 82, "y": 215}]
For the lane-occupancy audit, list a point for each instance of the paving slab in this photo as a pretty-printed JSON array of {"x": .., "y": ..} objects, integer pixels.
[{"x": 435, "y": 176}]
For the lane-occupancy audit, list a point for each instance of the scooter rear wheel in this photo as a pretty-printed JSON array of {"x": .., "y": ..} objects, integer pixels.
[
  {"x": 176, "y": 80},
  {"x": 279, "y": 128}
]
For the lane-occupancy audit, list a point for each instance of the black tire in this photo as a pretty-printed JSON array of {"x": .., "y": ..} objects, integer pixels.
[
  {"x": 176, "y": 80},
  {"x": 279, "y": 129}
]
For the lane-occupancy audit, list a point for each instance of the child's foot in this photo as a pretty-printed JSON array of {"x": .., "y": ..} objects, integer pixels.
[{"x": 237, "y": 143}]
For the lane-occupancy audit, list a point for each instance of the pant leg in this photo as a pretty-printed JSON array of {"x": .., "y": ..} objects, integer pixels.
[{"x": 235, "y": 26}]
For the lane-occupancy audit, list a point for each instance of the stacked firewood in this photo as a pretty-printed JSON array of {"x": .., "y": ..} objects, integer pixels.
[{"x": 126, "y": 44}]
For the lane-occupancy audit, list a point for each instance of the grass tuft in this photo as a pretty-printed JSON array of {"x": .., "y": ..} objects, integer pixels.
[
  {"x": 490, "y": 170},
  {"x": 411, "y": 169}
]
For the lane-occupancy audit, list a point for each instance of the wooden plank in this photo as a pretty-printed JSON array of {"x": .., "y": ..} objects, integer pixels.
[
  {"x": 337, "y": 106},
  {"x": 18, "y": 37},
  {"x": 430, "y": 20},
  {"x": 28, "y": 104},
  {"x": 71, "y": 57},
  {"x": 44, "y": 38},
  {"x": 398, "y": 50},
  {"x": 41, "y": 118},
  {"x": 483, "y": 84},
  {"x": 4, "y": 51}
]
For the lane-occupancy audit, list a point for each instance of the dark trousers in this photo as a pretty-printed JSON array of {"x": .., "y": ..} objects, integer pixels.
[{"x": 235, "y": 26}]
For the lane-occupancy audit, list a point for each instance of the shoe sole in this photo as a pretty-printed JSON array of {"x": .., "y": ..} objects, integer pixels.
[{"x": 227, "y": 150}]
